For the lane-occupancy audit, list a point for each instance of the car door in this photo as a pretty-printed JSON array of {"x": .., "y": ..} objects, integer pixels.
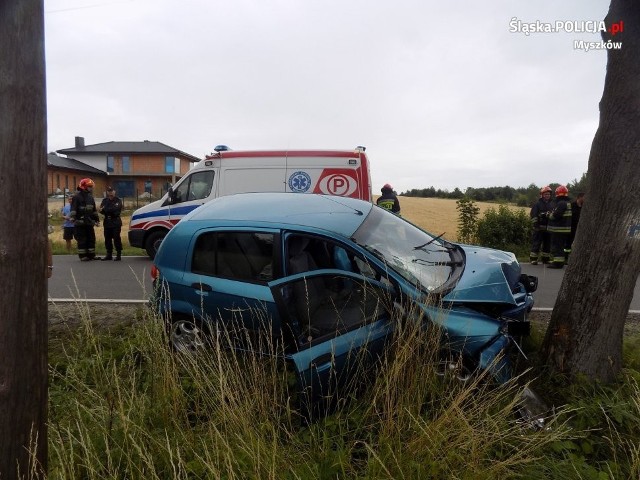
[
  {"x": 337, "y": 324},
  {"x": 226, "y": 281}
]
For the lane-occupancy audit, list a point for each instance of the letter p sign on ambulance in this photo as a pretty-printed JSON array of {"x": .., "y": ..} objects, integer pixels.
[{"x": 337, "y": 182}]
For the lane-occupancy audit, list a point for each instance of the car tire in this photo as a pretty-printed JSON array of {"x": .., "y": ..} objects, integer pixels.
[
  {"x": 451, "y": 367},
  {"x": 153, "y": 242},
  {"x": 186, "y": 335}
]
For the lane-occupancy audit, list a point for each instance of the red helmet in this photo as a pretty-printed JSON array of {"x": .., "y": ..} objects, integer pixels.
[
  {"x": 86, "y": 183},
  {"x": 544, "y": 190},
  {"x": 386, "y": 186},
  {"x": 562, "y": 191}
]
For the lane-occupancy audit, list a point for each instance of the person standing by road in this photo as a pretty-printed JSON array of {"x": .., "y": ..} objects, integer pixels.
[
  {"x": 67, "y": 226},
  {"x": 388, "y": 200},
  {"x": 85, "y": 217},
  {"x": 111, "y": 208},
  {"x": 540, "y": 240},
  {"x": 560, "y": 227}
]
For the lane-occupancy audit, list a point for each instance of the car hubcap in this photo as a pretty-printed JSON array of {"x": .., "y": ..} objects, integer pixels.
[
  {"x": 448, "y": 369},
  {"x": 186, "y": 336}
]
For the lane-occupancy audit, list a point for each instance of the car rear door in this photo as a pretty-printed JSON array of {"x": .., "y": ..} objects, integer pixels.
[{"x": 226, "y": 277}]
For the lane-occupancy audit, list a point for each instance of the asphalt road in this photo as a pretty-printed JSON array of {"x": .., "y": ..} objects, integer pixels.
[{"x": 130, "y": 280}]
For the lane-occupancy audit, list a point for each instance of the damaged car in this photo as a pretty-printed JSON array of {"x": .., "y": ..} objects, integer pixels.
[{"x": 328, "y": 277}]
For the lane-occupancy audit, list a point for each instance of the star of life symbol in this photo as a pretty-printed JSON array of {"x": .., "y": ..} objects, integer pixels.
[{"x": 299, "y": 182}]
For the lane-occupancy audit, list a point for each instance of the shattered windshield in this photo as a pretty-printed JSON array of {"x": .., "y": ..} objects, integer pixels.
[{"x": 427, "y": 261}]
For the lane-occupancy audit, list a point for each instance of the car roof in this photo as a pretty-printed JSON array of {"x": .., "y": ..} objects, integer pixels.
[{"x": 341, "y": 215}]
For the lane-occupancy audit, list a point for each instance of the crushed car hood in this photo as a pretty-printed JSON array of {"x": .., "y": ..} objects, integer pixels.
[{"x": 489, "y": 276}]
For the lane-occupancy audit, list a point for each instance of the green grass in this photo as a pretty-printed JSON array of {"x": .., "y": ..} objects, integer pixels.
[{"x": 122, "y": 405}]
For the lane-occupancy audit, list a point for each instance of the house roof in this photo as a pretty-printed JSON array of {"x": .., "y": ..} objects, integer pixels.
[
  {"x": 145, "y": 146},
  {"x": 54, "y": 160}
]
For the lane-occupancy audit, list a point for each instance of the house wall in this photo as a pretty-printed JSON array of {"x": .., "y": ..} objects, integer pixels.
[
  {"x": 147, "y": 174},
  {"x": 60, "y": 178},
  {"x": 150, "y": 164}
]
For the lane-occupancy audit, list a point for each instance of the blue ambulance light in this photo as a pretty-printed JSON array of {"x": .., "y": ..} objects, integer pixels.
[{"x": 221, "y": 148}]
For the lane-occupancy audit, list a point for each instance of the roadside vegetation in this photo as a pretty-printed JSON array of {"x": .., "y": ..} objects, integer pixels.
[
  {"x": 123, "y": 405},
  {"x": 521, "y": 196}
]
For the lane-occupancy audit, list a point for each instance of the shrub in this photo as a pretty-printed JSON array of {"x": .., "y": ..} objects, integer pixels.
[
  {"x": 467, "y": 220},
  {"x": 505, "y": 229}
]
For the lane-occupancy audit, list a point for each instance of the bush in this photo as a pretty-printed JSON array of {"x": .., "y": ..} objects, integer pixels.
[
  {"x": 467, "y": 220},
  {"x": 505, "y": 229}
]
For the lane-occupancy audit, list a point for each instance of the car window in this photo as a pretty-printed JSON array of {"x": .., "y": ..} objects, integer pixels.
[
  {"x": 196, "y": 187},
  {"x": 307, "y": 253},
  {"x": 323, "y": 306},
  {"x": 244, "y": 256}
]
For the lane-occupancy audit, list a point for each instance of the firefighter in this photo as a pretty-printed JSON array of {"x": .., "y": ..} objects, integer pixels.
[
  {"x": 388, "y": 199},
  {"x": 111, "y": 208},
  {"x": 84, "y": 217},
  {"x": 560, "y": 227},
  {"x": 541, "y": 239}
]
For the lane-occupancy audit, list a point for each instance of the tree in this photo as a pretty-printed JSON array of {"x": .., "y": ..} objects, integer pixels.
[
  {"x": 576, "y": 186},
  {"x": 23, "y": 237},
  {"x": 586, "y": 328}
]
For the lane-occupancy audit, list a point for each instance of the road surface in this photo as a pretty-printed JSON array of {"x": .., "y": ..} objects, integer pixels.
[{"x": 130, "y": 280}]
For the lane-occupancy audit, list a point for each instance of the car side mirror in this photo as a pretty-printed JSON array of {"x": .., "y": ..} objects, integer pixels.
[
  {"x": 170, "y": 200},
  {"x": 171, "y": 196}
]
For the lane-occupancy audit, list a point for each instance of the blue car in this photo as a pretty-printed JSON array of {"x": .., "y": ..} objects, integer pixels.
[{"x": 328, "y": 277}]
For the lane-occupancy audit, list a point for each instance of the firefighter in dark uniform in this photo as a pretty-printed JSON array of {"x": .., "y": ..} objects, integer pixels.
[
  {"x": 111, "y": 208},
  {"x": 541, "y": 239},
  {"x": 388, "y": 199},
  {"x": 84, "y": 217},
  {"x": 560, "y": 227}
]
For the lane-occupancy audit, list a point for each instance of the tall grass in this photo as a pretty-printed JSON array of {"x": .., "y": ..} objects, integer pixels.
[{"x": 124, "y": 405}]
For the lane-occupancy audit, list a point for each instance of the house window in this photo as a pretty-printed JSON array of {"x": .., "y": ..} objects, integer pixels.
[
  {"x": 126, "y": 164},
  {"x": 169, "y": 165},
  {"x": 58, "y": 180},
  {"x": 110, "y": 163}
]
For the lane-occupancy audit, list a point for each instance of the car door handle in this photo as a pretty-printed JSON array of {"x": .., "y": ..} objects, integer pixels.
[
  {"x": 323, "y": 362},
  {"x": 202, "y": 287}
]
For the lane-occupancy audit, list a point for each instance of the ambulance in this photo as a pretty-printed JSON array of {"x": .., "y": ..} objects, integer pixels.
[{"x": 225, "y": 172}]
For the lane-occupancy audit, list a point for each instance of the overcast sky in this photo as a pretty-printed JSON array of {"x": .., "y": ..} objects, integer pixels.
[{"x": 440, "y": 92}]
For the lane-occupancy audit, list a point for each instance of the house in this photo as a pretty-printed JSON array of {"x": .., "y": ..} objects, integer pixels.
[
  {"x": 64, "y": 174},
  {"x": 132, "y": 168}
]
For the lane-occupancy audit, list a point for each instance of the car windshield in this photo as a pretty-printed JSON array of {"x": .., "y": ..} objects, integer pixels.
[{"x": 428, "y": 262}]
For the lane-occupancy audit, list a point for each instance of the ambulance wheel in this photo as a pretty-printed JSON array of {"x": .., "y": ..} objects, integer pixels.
[{"x": 153, "y": 242}]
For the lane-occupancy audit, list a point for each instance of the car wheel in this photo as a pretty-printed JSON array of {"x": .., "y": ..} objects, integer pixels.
[
  {"x": 153, "y": 242},
  {"x": 186, "y": 335},
  {"x": 454, "y": 368}
]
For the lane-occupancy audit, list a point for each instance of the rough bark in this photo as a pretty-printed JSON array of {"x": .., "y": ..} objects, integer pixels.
[
  {"x": 586, "y": 329},
  {"x": 23, "y": 241}
]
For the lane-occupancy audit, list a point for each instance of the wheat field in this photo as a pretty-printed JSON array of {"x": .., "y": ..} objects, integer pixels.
[{"x": 437, "y": 215}]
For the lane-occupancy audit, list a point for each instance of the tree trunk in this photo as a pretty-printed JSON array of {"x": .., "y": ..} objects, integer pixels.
[
  {"x": 23, "y": 241},
  {"x": 586, "y": 328}
]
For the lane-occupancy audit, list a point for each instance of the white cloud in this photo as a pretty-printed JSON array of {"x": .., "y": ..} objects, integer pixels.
[{"x": 440, "y": 93}]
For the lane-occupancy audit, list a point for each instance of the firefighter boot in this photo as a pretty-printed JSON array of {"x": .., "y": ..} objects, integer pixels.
[
  {"x": 108, "y": 257},
  {"x": 118, "y": 257}
]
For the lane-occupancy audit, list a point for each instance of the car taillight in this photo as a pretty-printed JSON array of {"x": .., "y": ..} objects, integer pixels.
[{"x": 154, "y": 272}]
